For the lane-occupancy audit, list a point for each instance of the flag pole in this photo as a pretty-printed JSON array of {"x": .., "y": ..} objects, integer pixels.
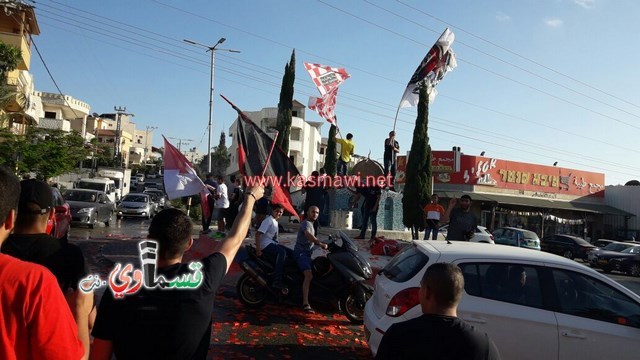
[
  {"x": 395, "y": 120},
  {"x": 266, "y": 164}
]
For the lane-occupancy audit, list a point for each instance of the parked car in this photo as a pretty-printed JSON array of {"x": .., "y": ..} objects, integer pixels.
[
  {"x": 136, "y": 205},
  {"x": 600, "y": 243},
  {"x": 630, "y": 263},
  {"x": 89, "y": 207},
  {"x": 58, "y": 227},
  {"x": 567, "y": 246},
  {"x": 516, "y": 237},
  {"x": 482, "y": 234},
  {"x": 162, "y": 199},
  {"x": 600, "y": 258},
  {"x": 563, "y": 310},
  {"x": 140, "y": 177}
]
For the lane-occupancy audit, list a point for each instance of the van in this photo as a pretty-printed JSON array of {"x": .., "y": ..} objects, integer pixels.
[{"x": 105, "y": 185}]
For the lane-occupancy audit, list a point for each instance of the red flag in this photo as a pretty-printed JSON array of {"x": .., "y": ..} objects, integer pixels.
[
  {"x": 254, "y": 145},
  {"x": 180, "y": 179}
]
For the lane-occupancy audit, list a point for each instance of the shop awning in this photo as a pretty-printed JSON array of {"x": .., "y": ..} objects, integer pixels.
[{"x": 541, "y": 203}]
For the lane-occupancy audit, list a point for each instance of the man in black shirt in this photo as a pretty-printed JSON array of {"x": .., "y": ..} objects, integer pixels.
[
  {"x": 369, "y": 209},
  {"x": 29, "y": 242},
  {"x": 438, "y": 333},
  {"x": 462, "y": 221},
  {"x": 391, "y": 148},
  {"x": 161, "y": 323}
]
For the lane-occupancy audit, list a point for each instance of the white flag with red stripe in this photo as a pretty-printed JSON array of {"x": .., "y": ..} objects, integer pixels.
[
  {"x": 180, "y": 179},
  {"x": 327, "y": 79}
]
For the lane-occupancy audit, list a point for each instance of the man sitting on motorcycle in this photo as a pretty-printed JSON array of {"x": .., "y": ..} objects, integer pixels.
[
  {"x": 302, "y": 251},
  {"x": 267, "y": 242}
]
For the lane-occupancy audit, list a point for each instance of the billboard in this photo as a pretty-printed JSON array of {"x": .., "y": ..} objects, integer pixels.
[{"x": 544, "y": 181}]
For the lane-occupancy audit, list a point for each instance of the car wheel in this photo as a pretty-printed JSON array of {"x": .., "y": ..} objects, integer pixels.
[
  {"x": 634, "y": 269},
  {"x": 108, "y": 221},
  {"x": 568, "y": 254}
]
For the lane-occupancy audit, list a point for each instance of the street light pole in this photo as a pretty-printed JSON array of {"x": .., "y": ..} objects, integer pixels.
[{"x": 211, "y": 49}]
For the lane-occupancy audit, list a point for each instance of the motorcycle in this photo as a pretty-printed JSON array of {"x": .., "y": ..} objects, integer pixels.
[{"x": 338, "y": 279}]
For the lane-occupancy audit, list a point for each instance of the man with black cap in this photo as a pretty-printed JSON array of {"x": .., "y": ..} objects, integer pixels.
[
  {"x": 35, "y": 323},
  {"x": 29, "y": 242},
  {"x": 462, "y": 222}
]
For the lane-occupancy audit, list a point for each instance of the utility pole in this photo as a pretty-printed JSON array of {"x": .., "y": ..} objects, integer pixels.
[
  {"x": 211, "y": 49},
  {"x": 117, "y": 155},
  {"x": 180, "y": 141},
  {"x": 146, "y": 141}
]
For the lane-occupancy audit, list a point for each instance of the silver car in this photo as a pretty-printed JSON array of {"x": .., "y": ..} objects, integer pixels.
[
  {"x": 88, "y": 207},
  {"x": 159, "y": 194},
  {"x": 136, "y": 205}
]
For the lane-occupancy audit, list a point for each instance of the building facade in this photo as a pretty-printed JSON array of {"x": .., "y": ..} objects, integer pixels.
[
  {"x": 17, "y": 24},
  {"x": 545, "y": 199}
]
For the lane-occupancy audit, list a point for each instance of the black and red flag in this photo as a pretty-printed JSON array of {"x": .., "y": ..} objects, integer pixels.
[{"x": 254, "y": 148}]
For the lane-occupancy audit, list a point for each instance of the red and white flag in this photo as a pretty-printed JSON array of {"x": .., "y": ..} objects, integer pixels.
[
  {"x": 325, "y": 106},
  {"x": 327, "y": 79},
  {"x": 180, "y": 179},
  {"x": 436, "y": 64}
]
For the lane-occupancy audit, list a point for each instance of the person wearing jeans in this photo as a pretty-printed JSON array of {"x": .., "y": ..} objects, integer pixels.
[
  {"x": 369, "y": 209},
  {"x": 433, "y": 213},
  {"x": 267, "y": 243}
]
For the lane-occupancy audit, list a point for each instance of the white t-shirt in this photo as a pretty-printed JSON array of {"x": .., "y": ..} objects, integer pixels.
[
  {"x": 223, "y": 200},
  {"x": 269, "y": 230}
]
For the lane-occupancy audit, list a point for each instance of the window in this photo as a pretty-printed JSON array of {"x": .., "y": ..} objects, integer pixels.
[
  {"x": 512, "y": 283},
  {"x": 405, "y": 265},
  {"x": 295, "y": 134},
  {"x": 49, "y": 114},
  {"x": 294, "y": 113},
  {"x": 322, "y": 151},
  {"x": 584, "y": 296}
]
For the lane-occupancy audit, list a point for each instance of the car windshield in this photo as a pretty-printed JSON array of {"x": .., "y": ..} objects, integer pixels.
[
  {"x": 616, "y": 247},
  {"x": 632, "y": 250},
  {"x": 135, "y": 198},
  {"x": 91, "y": 185},
  {"x": 529, "y": 235},
  {"x": 405, "y": 265},
  {"x": 74, "y": 195},
  {"x": 581, "y": 241}
]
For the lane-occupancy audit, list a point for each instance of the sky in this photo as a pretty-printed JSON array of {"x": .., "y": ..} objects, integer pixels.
[{"x": 538, "y": 81}]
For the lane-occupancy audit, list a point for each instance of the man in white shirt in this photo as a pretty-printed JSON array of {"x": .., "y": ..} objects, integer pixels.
[
  {"x": 222, "y": 203},
  {"x": 267, "y": 243}
]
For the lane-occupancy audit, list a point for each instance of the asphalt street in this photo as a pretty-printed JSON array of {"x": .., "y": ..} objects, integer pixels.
[{"x": 274, "y": 331}]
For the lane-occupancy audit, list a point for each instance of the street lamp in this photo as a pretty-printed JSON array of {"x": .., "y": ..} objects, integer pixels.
[{"x": 211, "y": 49}]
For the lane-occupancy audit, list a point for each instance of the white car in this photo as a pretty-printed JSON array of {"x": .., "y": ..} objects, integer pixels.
[
  {"x": 482, "y": 234},
  {"x": 565, "y": 310}
]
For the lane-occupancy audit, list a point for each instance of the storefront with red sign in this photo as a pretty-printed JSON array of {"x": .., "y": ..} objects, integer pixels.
[{"x": 544, "y": 199}]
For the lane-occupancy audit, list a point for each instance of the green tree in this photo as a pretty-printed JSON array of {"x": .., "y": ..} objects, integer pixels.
[
  {"x": 330, "y": 158},
  {"x": 46, "y": 152},
  {"x": 417, "y": 187},
  {"x": 283, "y": 124},
  {"x": 9, "y": 60},
  {"x": 220, "y": 158}
]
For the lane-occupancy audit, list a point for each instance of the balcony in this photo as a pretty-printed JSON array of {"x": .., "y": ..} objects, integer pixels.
[
  {"x": 56, "y": 124},
  {"x": 21, "y": 43}
]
